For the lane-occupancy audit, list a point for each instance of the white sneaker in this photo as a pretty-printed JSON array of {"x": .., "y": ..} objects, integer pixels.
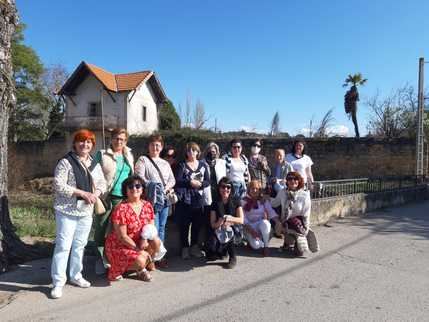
[
  {"x": 57, "y": 292},
  {"x": 162, "y": 251},
  {"x": 81, "y": 282},
  {"x": 185, "y": 253},
  {"x": 196, "y": 252}
]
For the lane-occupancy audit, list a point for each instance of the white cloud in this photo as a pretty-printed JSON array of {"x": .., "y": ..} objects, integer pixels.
[
  {"x": 335, "y": 130},
  {"x": 304, "y": 131},
  {"x": 250, "y": 128},
  {"x": 338, "y": 130}
]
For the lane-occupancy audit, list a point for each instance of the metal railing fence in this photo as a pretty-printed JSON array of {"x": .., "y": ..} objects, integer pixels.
[{"x": 333, "y": 188}]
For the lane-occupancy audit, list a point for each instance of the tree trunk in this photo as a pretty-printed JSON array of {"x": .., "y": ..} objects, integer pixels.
[
  {"x": 12, "y": 249},
  {"x": 354, "y": 120}
]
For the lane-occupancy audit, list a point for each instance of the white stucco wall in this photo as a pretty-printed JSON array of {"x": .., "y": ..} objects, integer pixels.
[
  {"x": 90, "y": 90},
  {"x": 143, "y": 97},
  {"x": 121, "y": 113}
]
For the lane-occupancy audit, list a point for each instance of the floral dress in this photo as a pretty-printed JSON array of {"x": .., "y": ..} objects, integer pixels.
[{"x": 120, "y": 256}]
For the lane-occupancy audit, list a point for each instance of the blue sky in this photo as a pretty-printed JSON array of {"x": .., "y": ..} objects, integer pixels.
[{"x": 243, "y": 59}]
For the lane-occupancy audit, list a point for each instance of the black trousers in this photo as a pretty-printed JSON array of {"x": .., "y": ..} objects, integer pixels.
[{"x": 189, "y": 216}]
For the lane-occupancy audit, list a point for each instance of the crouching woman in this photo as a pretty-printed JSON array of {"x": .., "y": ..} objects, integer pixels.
[
  {"x": 295, "y": 215},
  {"x": 226, "y": 212},
  {"x": 126, "y": 250},
  {"x": 257, "y": 215}
]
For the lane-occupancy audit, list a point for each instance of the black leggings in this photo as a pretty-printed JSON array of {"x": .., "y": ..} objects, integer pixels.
[{"x": 189, "y": 216}]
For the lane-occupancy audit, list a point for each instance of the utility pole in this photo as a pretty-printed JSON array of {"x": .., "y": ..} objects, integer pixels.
[
  {"x": 102, "y": 120},
  {"x": 420, "y": 130}
]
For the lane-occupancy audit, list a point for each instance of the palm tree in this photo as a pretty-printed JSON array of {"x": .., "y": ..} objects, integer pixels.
[{"x": 352, "y": 97}]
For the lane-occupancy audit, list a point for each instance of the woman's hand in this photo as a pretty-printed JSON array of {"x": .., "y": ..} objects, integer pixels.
[
  {"x": 143, "y": 244},
  {"x": 195, "y": 184},
  {"x": 254, "y": 233},
  {"x": 89, "y": 197}
]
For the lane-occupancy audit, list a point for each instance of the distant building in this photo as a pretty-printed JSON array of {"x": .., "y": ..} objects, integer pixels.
[{"x": 95, "y": 97}]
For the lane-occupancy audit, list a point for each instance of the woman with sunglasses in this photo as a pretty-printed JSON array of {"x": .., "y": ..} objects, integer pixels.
[
  {"x": 126, "y": 250},
  {"x": 191, "y": 179},
  {"x": 237, "y": 169},
  {"x": 225, "y": 213},
  {"x": 257, "y": 215},
  {"x": 295, "y": 215},
  {"x": 258, "y": 165},
  {"x": 117, "y": 163}
]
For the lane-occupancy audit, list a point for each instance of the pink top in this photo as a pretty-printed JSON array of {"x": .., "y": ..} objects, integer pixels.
[{"x": 263, "y": 211}]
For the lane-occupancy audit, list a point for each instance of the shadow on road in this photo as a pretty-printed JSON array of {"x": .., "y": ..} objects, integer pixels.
[{"x": 410, "y": 219}]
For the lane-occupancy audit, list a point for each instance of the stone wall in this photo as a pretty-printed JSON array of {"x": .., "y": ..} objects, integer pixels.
[
  {"x": 336, "y": 158},
  {"x": 322, "y": 210},
  {"x": 29, "y": 160}
]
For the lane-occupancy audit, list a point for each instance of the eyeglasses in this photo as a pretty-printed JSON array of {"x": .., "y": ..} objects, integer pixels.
[
  {"x": 137, "y": 186},
  {"x": 257, "y": 145},
  {"x": 236, "y": 146},
  {"x": 225, "y": 186},
  {"x": 291, "y": 178}
]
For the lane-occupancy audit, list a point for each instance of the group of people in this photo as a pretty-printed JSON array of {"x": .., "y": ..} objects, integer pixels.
[{"x": 230, "y": 199}]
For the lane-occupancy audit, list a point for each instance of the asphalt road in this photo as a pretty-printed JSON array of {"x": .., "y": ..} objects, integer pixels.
[{"x": 372, "y": 268}]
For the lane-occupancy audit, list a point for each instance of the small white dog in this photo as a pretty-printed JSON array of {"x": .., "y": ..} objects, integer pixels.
[{"x": 149, "y": 232}]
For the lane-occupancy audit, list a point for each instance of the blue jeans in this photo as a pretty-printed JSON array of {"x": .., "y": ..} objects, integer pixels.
[
  {"x": 240, "y": 190},
  {"x": 160, "y": 222},
  {"x": 72, "y": 236}
]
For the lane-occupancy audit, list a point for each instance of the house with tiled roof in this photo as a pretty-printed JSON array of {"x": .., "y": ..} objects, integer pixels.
[{"x": 97, "y": 99}]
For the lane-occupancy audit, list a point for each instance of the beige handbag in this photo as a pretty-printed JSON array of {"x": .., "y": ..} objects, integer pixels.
[{"x": 99, "y": 207}]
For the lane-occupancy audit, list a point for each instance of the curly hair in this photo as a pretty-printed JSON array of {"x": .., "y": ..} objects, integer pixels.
[{"x": 296, "y": 175}]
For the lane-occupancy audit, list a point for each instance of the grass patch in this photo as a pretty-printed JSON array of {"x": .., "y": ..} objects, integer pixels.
[{"x": 32, "y": 214}]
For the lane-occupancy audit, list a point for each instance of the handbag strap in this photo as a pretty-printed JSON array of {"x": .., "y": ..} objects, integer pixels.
[
  {"x": 157, "y": 169},
  {"x": 119, "y": 175}
]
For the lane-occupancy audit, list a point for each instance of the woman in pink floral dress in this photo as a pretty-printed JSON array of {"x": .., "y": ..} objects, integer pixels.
[{"x": 125, "y": 248}]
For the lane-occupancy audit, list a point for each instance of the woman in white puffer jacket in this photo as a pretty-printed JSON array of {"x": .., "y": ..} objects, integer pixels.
[{"x": 295, "y": 215}]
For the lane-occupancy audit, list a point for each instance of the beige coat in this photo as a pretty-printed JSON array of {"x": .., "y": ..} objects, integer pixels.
[{"x": 108, "y": 164}]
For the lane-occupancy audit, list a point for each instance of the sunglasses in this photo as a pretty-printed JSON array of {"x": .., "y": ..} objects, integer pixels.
[
  {"x": 137, "y": 186},
  {"x": 236, "y": 146},
  {"x": 225, "y": 186},
  {"x": 292, "y": 178},
  {"x": 257, "y": 145}
]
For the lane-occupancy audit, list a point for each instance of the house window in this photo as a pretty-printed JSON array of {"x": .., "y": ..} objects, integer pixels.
[
  {"x": 144, "y": 113},
  {"x": 94, "y": 109}
]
